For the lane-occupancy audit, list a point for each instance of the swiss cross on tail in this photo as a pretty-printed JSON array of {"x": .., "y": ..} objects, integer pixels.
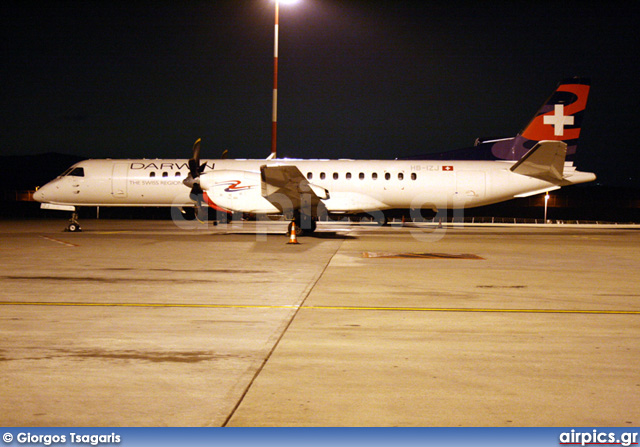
[{"x": 558, "y": 120}]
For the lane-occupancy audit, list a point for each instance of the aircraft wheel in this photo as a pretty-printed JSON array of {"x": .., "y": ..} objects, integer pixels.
[
  {"x": 306, "y": 223},
  {"x": 74, "y": 227}
]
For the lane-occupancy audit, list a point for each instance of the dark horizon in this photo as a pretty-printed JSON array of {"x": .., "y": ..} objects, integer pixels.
[{"x": 357, "y": 79}]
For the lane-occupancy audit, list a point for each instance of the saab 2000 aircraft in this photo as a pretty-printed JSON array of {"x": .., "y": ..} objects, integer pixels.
[{"x": 535, "y": 161}]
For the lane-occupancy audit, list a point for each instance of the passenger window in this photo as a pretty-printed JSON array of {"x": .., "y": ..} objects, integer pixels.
[
  {"x": 178, "y": 174},
  {"x": 309, "y": 175},
  {"x": 335, "y": 176},
  {"x": 374, "y": 176},
  {"x": 387, "y": 176},
  {"x": 77, "y": 172},
  {"x": 413, "y": 176},
  {"x": 152, "y": 174},
  {"x": 400, "y": 176},
  {"x": 348, "y": 176},
  {"x": 165, "y": 174},
  {"x": 361, "y": 176},
  {"x": 322, "y": 176}
]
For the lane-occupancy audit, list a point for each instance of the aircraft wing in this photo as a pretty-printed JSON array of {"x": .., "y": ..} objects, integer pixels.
[
  {"x": 545, "y": 161},
  {"x": 287, "y": 188}
]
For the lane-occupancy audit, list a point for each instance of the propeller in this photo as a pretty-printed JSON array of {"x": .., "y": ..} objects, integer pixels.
[
  {"x": 195, "y": 168},
  {"x": 193, "y": 178}
]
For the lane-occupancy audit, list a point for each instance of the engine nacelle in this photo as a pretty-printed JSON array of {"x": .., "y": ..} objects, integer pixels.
[{"x": 236, "y": 191}]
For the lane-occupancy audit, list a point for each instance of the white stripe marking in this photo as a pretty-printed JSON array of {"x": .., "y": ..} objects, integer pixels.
[{"x": 57, "y": 241}]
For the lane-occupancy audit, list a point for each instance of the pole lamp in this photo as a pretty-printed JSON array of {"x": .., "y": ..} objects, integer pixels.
[
  {"x": 546, "y": 200},
  {"x": 274, "y": 111}
]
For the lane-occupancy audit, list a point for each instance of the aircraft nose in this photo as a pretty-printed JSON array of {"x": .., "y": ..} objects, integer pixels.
[{"x": 40, "y": 195}]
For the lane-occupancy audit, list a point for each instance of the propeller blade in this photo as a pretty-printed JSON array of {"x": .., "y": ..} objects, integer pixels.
[
  {"x": 193, "y": 179},
  {"x": 195, "y": 168},
  {"x": 194, "y": 162},
  {"x": 196, "y": 193}
]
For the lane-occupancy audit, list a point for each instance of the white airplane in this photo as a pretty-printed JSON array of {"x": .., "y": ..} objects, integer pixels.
[{"x": 533, "y": 162}]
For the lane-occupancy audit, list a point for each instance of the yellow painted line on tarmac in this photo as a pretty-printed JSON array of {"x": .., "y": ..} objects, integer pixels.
[
  {"x": 200, "y": 306},
  {"x": 354, "y": 308},
  {"x": 479, "y": 310}
]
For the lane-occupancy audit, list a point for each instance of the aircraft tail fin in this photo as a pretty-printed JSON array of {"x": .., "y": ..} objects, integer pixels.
[{"x": 559, "y": 119}]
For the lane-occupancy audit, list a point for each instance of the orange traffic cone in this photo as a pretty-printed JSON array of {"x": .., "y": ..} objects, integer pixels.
[{"x": 293, "y": 237}]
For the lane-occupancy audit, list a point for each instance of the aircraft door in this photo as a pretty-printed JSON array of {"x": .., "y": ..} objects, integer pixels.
[{"x": 119, "y": 180}]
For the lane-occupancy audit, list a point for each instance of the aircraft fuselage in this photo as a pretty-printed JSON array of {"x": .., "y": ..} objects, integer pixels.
[{"x": 354, "y": 185}]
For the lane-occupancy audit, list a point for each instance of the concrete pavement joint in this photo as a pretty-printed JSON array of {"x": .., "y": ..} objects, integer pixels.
[{"x": 275, "y": 345}]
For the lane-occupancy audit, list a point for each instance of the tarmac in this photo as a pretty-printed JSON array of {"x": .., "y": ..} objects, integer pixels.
[{"x": 151, "y": 323}]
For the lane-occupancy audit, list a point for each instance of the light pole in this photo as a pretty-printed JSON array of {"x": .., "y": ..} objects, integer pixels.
[
  {"x": 274, "y": 111},
  {"x": 546, "y": 199}
]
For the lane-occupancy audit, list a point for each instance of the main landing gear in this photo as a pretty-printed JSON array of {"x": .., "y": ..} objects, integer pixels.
[
  {"x": 305, "y": 224},
  {"x": 73, "y": 226}
]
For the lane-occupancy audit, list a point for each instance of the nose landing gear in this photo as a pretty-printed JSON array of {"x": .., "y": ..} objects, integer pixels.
[{"x": 73, "y": 226}]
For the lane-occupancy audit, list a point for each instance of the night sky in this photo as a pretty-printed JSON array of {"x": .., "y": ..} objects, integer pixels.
[{"x": 357, "y": 78}]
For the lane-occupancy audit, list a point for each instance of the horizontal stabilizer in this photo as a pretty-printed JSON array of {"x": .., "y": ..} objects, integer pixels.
[{"x": 545, "y": 161}]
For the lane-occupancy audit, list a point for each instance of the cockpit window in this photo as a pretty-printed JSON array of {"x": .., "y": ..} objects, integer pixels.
[
  {"x": 77, "y": 172},
  {"x": 67, "y": 171}
]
